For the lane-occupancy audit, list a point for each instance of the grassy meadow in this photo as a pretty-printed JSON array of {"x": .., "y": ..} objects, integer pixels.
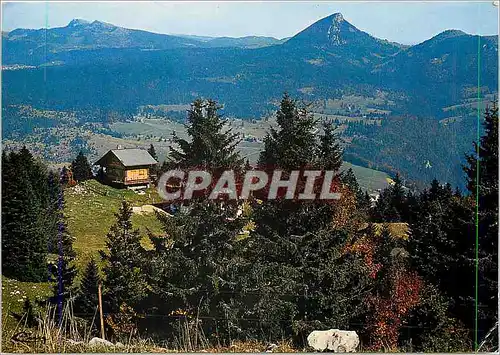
[{"x": 90, "y": 208}]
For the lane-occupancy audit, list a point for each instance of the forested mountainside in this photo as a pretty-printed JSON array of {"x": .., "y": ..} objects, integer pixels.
[{"x": 100, "y": 67}]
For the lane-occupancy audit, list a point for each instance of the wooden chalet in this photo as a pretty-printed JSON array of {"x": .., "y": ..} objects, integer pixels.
[{"x": 126, "y": 167}]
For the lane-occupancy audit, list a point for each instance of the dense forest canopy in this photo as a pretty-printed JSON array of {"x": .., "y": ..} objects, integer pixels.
[{"x": 278, "y": 269}]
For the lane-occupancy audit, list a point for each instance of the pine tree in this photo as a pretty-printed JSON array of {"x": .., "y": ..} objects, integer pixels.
[
  {"x": 155, "y": 169},
  {"x": 482, "y": 184},
  {"x": 211, "y": 146},
  {"x": 81, "y": 168},
  {"x": 366, "y": 203},
  {"x": 398, "y": 198},
  {"x": 293, "y": 145},
  {"x": 87, "y": 300},
  {"x": 202, "y": 234},
  {"x": 290, "y": 146},
  {"x": 295, "y": 274},
  {"x": 384, "y": 253},
  {"x": 330, "y": 152},
  {"x": 124, "y": 263},
  {"x": 392, "y": 205},
  {"x": 202, "y": 242},
  {"x": 349, "y": 179},
  {"x": 152, "y": 151},
  {"x": 441, "y": 249},
  {"x": 296, "y": 250},
  {"x": 24, "y": 232},
  {"x": 363, "y": 201}
]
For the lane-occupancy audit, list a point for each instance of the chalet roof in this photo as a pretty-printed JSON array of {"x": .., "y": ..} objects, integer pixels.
[{"x": 131, "y": 157}]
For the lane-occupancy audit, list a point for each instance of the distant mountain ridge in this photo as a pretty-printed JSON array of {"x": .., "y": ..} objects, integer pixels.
[
  {"x": 81, "y": 34},
  {"x": 327, "y": 57},
  {"x": 94, "y": 68}
]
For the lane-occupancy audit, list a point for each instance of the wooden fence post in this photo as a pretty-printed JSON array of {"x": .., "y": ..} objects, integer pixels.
[{"x": 100, "y": 310}]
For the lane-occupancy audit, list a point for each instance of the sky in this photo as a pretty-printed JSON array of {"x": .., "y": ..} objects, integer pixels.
[{"x": 403, "y": 22}]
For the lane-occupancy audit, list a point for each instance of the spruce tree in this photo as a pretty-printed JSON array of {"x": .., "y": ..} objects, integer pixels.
[
  {"x": 201, "y": 236},
  {"x": 24, "y": 232},
  {"x": 123, "y": 263},
  {"x": 384, "y": 253},
  {"x": 87, "y": 300},
  {"x": 156, "y": 168},
  {"x": 330, "y": 151},
  {"x": 398, "y": 198},
  {"x": 301, "y": 281},
  {"x": 350, "y": 180},
  {"x": 482, "y": 183},
  {"x": 296, "y": 250},
  {"x": 202, "y": 242},
  {"x": 363, "y": 201},
  {"x": 81, "y": 168},
  {"x": 152, "y": 151},
  {"x": 441, "y": 249},
  {"x": 392, "y": 205},
  {"x": 37, "y": 173},
  {"x": 292, "y": 145},
  {"x": 211, "y": 146}
]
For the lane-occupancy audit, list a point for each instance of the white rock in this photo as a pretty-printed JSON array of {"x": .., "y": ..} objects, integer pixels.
[
  {"x": 271, "y": 347},
  {"x": 74, "y": 342},
  {"x": 100, "y": 342},
  {"x": 336, "y": 340},
  {"x": 119, "y": 345},
  {"x": 137, "y": 210}
]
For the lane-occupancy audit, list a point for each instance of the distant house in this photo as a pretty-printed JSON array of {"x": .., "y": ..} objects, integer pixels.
[{"x": 126, "y": 168}]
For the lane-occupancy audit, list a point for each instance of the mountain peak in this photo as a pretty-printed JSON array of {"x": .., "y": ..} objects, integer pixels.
[
  {"x": 78, "y": 22},
  {"x": 444, "y": 36},
  {"x": 335, "y": 34},
  {"x": 337, "y": 17},
  {"x": 97, "y": 23},
  {"x": 450, "y": 33},
  {"x": 333, "y": 30},
  {"x": 337, "y": 26}
]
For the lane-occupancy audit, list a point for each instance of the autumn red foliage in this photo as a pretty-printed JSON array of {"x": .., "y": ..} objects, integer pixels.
[
  {"x": 389, "y": 312},
  {"x": 396, "y": 292}
]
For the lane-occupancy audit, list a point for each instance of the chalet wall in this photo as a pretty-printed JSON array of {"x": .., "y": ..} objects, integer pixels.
[{"x": 140, "y": 174}]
